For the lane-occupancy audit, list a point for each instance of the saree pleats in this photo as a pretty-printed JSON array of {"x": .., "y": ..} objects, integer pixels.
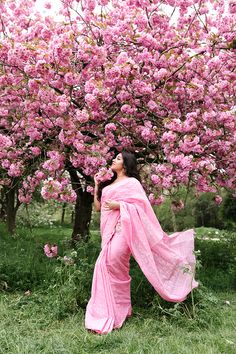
[{"x": 110, "y": 302}]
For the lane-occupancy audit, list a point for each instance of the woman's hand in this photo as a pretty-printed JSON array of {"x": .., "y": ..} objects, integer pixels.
[
  {"x": 95, "y": 180},
  {"x": 111, "y": 205}
]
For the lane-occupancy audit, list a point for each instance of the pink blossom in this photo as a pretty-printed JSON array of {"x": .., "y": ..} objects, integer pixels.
[
  {"x": 33, "y": 133},
  {"x": 70, "y": 78},
  {"x": 181, "y": 160},
  {"x": 50, "y": 250},
  {"x": 68, "y": 195},
  {"x": 152, "y": 105},
  {"x": 141, "y": 22},
  {"x": 47, "y": 5},
  {"x": 90, "y": 4},
  {"x": 167, "y": 182},
  {"x": 3, "y": 112},
  {"x": 60, "y": 190},
  {"x": 190, "y": 145},
  {"x": 91, "y": 101},
  {"x": 6, "y": 164},
  {"x": 51, "y": 189},
  {"x": 202, "y": 185},
  {"x": 110, "y": 127},
  {"x": 155, "y": 179},
  {"x": 148, "y": 134},
  {"x": 103, "y": 2},
  {"x": 160, "y": 74},
  {"x": 79, "y": 146},
  {"x": 90, "y": 189},
  {"x": 15, "y": 169},
  {"x": 218, "y": 199},
  {"x": 122, "y": 96},
  {"x": 113, "y": 73},
  {"x": 35, "y": 150},
  {"x": 168, "y": 137},
  {"x": 122, "y": 58},
  {"x": 156, "y": 201},
  {"x": 55, "y": 162},
  {"x": 127, "y": 109},
  {"x": 82, "y": 115},
  {"x": 24, "y": 198},
  {"x": 147, "y": 40},
  {"x": 163, "y": 169},
  {"x": 232, "y": 6},
  {"x": 141, "y": 87},
  {"x": 104, "y": 174},
  {"x": 40, "y": 175},
  {"x": 175, "y": 125},
  {"x": 207, "y": 165},
  {"x": 5, "y": 141}
]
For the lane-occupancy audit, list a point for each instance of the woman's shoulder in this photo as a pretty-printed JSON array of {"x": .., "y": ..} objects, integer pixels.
[
  {"x": 126, "y": 182},
  {"x": 134, "y": 180}
]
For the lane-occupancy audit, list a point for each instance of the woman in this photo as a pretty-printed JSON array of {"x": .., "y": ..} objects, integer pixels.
[{"x": 129, "y": 226}]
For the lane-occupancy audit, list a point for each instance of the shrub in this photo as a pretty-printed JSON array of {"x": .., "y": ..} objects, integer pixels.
[
  {"x": 218, "y": 258},
  {"x": 198, "y": 310},
  {"x": 71, "y": 278},
  {"x": 228, "y": 212},
  {"x": 43, "y": 213}
]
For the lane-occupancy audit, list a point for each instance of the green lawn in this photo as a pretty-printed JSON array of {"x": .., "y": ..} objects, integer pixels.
[
  {"x": 48, "y": 320},
  {"x": 26, "y": 326}
]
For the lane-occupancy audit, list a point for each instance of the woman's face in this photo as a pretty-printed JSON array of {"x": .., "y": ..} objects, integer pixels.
[{"x": 117, "y": 163}]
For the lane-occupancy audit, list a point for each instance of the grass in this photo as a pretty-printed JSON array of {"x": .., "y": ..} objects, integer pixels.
[
  {"x": 26, "y": 327},
  {"x": 39, "y": 310}
]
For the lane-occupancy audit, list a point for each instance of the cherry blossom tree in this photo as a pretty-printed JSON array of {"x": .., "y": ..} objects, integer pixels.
[{"x": 113, "y": 75}]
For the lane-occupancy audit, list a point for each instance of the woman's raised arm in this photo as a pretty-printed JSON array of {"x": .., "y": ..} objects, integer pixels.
[{"x": 97, "y": 204}]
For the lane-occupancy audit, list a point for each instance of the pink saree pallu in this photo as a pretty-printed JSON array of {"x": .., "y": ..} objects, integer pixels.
[{"x": 167, "y": 262}]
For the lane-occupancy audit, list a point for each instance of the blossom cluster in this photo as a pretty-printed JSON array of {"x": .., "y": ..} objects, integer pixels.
[
  {"x": 104, "y": 174},
  {"x": 50, "y": 251},
  {"x": 59, "y": 190}
]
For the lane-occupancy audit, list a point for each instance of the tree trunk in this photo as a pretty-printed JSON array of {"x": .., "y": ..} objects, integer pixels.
[
  {"x": 12, "y": 205},
  {"x": 83, "y": 213},
  {"x": 3, "y": 205},
  {"x": 63, "y": 213},
  {"x": 83, "y": 208}
]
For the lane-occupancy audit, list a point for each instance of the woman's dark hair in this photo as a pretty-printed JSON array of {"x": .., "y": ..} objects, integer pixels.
[{"x": 131, "y": 170}]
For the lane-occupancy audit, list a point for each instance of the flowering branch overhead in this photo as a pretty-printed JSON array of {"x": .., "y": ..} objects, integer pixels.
[{"x": 125, "y": 77}]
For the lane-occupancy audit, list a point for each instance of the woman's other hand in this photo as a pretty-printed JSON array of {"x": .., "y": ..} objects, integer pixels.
[{"x": 111, "y": 205}]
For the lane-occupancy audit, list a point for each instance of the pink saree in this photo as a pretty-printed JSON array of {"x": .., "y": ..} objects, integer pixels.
[{"x": 167, "y": 262}]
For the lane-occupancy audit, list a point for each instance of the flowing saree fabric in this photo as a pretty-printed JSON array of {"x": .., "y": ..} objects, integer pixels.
[{"x": 167, "y": 262}]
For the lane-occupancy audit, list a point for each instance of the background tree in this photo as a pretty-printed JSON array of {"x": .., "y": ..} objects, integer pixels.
[{"x": 229, "y": 211}]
